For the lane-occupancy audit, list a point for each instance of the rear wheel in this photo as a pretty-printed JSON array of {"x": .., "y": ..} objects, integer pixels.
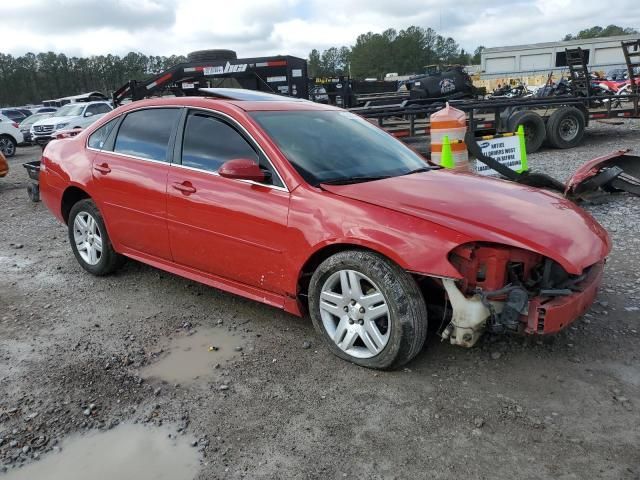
[
  {"x": 534, "y": 129},
  {"x": 90, "y": 241},
  {"x": 368, "y": 309},
  {"x": 7, "y": 146},
  {"x": 565, "y": 128}
]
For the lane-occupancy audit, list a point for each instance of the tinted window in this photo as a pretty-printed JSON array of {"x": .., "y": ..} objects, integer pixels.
[
  {"x": 102, "y": 108},
  {"x": 97, "y": 138},
  {"x": 209, "y": 142},
  {"x": 146, "y": 133}
]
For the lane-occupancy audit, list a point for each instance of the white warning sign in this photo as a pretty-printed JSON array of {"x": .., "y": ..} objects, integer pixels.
[{"x": 505, "y": 150}]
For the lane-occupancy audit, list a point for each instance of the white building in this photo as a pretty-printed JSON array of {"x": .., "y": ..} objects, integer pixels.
[{"x": 541, "y": 58}]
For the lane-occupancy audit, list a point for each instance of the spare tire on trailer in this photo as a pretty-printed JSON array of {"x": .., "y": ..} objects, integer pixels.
[
  {"x": 534, "y": 129},
  {"x": 565, "y": 127},
  {"x": 211, "y": 56}
]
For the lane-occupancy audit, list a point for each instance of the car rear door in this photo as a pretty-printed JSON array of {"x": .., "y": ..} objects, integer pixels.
[
  {"x": 130, "y": 174},
  {"x": 233, "y": 229}
]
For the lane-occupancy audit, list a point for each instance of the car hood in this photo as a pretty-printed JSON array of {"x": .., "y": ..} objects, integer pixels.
[
  {"x": 491, "y": 210},
  {"x": 54, "y": 120}
]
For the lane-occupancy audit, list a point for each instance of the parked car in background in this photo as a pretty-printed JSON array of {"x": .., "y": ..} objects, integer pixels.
[
  {"x": 68, "y": 117},
  {"x": 46, "y": 110},
  {"x": 25, "y": 125},
  {"x": 10, "y": 136},
  {"x": 24, "y": 110},
  {"x": 13, "y": 114},
  {"x": 311, "y": 208}
]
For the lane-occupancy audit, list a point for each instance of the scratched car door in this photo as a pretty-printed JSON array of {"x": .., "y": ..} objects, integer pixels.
[{"x": 230, "y": 228}]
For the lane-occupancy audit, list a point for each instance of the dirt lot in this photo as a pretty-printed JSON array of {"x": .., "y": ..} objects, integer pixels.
[{"x": 83, "y": 354}]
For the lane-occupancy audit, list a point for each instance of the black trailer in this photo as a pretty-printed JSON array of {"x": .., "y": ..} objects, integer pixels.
[
  {"x": 559, "y": 120},
  {"x": 281, "y": 74}
]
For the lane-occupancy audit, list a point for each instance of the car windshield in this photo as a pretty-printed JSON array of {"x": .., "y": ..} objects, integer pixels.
[
  {"x": 30, "y": 120},
  {"x": 337, "y": 146},
  {"x": 70, "y": 110}
]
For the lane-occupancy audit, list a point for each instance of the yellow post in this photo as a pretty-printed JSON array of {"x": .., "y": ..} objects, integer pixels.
[
  {"x": 446, "y": 159},
  {"x": 524, "y": 166}
]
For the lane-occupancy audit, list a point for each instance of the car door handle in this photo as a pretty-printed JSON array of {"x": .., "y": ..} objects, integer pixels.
[
  {"x": 104, "y": 168},
  {"x": 184, "y": 187}
]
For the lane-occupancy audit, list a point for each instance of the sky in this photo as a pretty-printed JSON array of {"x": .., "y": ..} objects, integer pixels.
[{"x": 293, "y": 27}]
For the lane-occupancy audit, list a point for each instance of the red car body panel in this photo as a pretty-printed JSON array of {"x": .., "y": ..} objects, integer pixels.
[
  {"x": 255, "y": 240},
  {"x": 494, "y": 211}
]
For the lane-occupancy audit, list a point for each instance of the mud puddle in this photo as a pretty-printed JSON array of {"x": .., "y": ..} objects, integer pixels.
[
  {"x": 188, "y": 357},
  {"x": 127, "y": 451}
]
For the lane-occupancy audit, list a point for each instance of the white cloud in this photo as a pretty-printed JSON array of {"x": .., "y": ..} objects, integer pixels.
[{"x": 266, "y": 27}]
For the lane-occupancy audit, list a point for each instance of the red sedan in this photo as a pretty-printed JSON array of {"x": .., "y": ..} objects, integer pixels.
[{"x": 312, "y": 209}]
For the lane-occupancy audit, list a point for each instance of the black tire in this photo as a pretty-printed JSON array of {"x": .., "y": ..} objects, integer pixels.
[
  {"x": 109, "y": 260},
  {"x": 211, "y": 56},
  {"x": 565, "y": 128},
  {"x": 8, "y": 146},
  {"x": 534, "y": 129},
  {"x": 407, "y": 320},
  {"x": 34, "y": 192}
]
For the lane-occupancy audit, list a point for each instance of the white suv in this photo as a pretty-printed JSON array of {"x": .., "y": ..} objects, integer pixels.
[
  {"x": 10, "y": 136},
  {"x": 68, "y": 117}
]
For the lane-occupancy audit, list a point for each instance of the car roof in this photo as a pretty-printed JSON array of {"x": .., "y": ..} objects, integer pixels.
[{"x": 264, "y": 104}]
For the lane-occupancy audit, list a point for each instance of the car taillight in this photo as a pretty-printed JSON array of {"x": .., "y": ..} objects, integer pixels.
[{"x": 15, "y": 125}]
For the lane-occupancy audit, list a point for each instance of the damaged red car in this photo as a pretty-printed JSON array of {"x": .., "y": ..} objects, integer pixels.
[{"x": 312, "y": 209}]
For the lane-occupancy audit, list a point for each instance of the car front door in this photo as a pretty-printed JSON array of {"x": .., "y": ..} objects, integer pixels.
[
  {"x": 130, "y": 174},
  {"x": 233, "y": 229}
]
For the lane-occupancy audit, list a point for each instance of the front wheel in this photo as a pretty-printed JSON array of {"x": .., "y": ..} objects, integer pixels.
[
  {"x": 368, "y": 309},
  {"x": 7, "y": 146},
  {"x": 90, "y": 241}
]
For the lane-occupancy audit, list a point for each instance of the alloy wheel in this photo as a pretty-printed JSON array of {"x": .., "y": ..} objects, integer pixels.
[
  {"x": 88, "y": 238},
  {"x": 7, "y": 147},
  {"x": 355, "y": 314}
]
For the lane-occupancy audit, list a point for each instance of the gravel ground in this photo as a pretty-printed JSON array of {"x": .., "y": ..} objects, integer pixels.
[{"x": 73, "y": 350}]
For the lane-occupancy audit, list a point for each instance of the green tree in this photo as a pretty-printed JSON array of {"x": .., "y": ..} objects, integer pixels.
[
  {"x": 477, "y": 55},
  {"x": 313, "y": 65},
  {"x": 597, "y": 32}
]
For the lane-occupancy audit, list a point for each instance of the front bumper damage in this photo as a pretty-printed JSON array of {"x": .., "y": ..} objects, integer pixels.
[{"x": 507, "y": 290}]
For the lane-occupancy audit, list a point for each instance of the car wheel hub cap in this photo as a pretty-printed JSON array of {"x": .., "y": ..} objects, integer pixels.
[
  {"x": 568, "y": 129},
  {"x": 88, "y": 238},
  {"x": 355, "y": 314}
]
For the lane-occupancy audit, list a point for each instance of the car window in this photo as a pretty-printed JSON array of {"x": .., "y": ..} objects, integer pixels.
[
  {"x": 92, "y": 109},
  {"x": 146, "y": 133},
  {"x": 97, "y": 138},
  {"x": 102, "y": 108},
  {"x": 208, "y": 142}
]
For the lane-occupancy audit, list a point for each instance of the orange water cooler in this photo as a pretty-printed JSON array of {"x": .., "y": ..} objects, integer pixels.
[{"x": 451, "y": 123}]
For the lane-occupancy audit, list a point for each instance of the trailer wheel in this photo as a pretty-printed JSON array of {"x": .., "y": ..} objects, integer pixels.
[
  {"x": 211, "y": 55},
  {"x": 565, "y": 127},
  {"x": 534, "y": 129}
]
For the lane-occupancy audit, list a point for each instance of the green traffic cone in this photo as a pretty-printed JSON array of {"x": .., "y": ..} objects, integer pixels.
[{"x": 446, "y": 158}]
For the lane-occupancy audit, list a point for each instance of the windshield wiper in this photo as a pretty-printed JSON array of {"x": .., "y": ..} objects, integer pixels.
[
  {"x": 419, "y": 170},
  {"x": 356, "y": 179}
]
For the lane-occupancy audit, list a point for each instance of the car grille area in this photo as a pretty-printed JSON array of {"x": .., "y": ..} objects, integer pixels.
[{"x": 43, "y": 128}]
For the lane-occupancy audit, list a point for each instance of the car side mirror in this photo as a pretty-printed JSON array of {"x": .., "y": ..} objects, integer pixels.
[
  {"x": 88, "y": 114},
  {"x": 242, "y": 169}
]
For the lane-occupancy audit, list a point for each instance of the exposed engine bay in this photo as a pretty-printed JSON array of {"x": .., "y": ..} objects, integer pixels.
[{"x": 506, "y": 290}]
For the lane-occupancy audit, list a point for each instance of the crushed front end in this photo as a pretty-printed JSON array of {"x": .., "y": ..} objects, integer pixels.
[{"x": 510, "y": 290}]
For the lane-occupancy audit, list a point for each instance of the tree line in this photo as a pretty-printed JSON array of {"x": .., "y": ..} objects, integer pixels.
[
  {"x": 404, "y": 52},
  {"x": 32, "y": 78}
]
